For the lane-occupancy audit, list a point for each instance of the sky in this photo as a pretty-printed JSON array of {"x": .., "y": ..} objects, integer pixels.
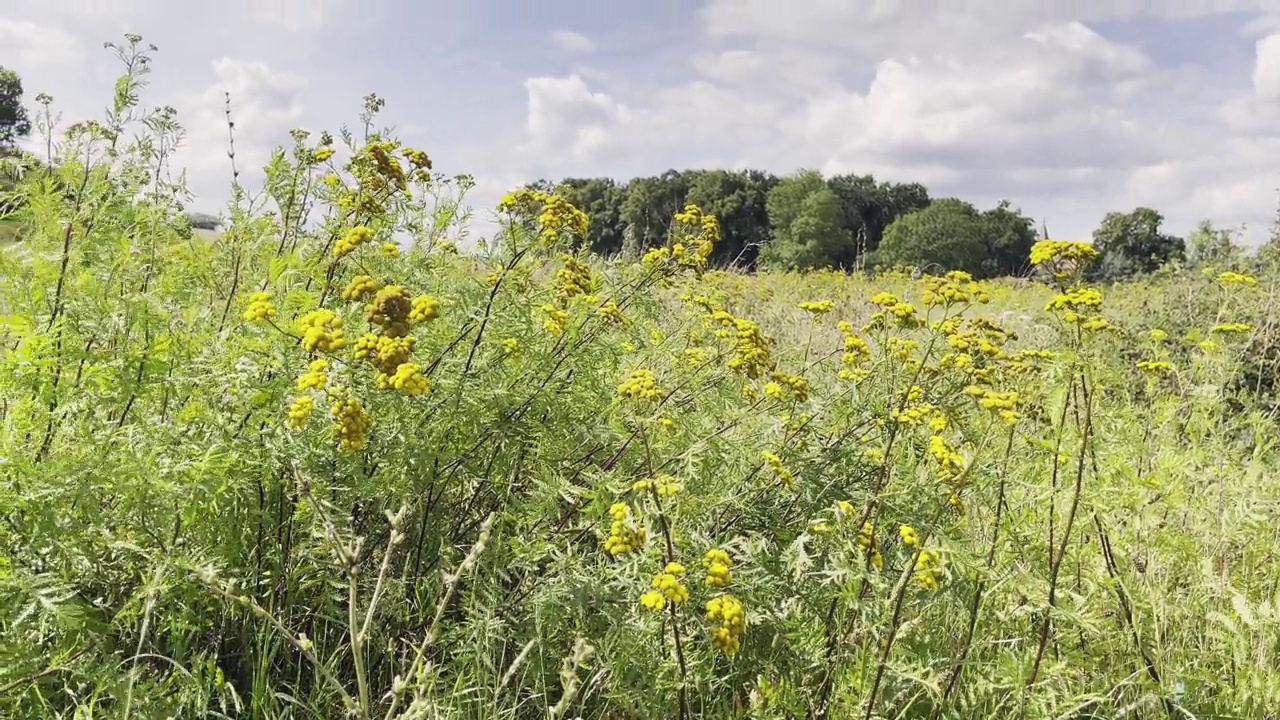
[{"x": 1066, "y": 108}]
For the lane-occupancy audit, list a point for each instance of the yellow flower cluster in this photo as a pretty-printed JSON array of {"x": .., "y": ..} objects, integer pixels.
[
  {"x": 663, "y": 485},
  {"x": 390, "y": 249},
  {"x": 1235, "y": 278},
  {"x": 914, "y": 415},
  {"x": 717, "y": 563},
  {"x": 698, "y": 229},
  {"x": 1155, "y": 366},
  {"x": 908, "y": 535},
  {"x": 351, "y": 424},
  {"x": 361, "y": 287},
  {"x": 557, "y": 216},
  {"x": 1237, "y": 327},
  {"x": 666, "y": 587},
  {"x": 555, "y": 319},
  {"x": 354, "y": 238},
  {"x": 641, "y": 385},
  {"x": 260, "y": 307},
  {"x": 779, "y": 469},
  {"x": 417, "y": 158},
  {"x": 573, "y": 279},
  {"x": 300, "y": 410},
  {"x": 315, "y": 376},
  {"x": 751, "y": 355},
  {"x": 902, "y": 313},
  {"x": 1062, "y": 257},
  {"x": 799, "y": 386},
  {"x": 731, "y": 621},
  {"x": 955, "y": 287},
  {"x": 408, "y": 378},
  {"x": 928, "y": 570},
  {"x": 625, "y": 535},
  {"x": 1080, "y": 306},
  {"x": 820, "y": 307},
  {"x": 1003, "y": 403},
  {"x": 950, "y": 464},
  {"x": 322, "y": 330},
  {"x": 510, "y": 346},
  {"x": 611, "y": 312},
  {"x": 424, "y": 307},
  {"x": 390, "y": 311},
  {"x": 322, "y": 154}
]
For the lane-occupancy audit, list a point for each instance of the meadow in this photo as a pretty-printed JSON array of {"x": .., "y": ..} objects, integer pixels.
[{"x": 327, "y": 464}]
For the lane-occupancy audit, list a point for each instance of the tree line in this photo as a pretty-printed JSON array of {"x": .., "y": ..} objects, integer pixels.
[{"x": 807, "y": 221}]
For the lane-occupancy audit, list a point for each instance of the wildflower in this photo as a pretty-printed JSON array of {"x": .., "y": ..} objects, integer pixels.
[
  {"x": 624, "y": 534},
  {"x": 641, "y": 384},
  {"x": 663, "y": 485},
  {"x": 612, "y": 313},
  {"x": 820, "y": 307},
  {"x": 1155, "y": 367},
  {"x": 322, "y": 154},
  {"x": 573, "y": 279},
  {"x": 779, "y": 470},
  {"x": 717, "y": 563},
  {"x": 510, "y": 346},
  {"x": 322, "y": 330},
  {"x": 351, "y": 424},
  {"x": 408, "y": 378},
  {"x": 799, "y": 386},
  {"x": 390, "y": 310},
  {"x": 928, "y": 569},
  {"x": 1235, "y": 278},
  {"x": 424, "y": 307},
  {"x": 726, "y": 611},
  {"x": 300, "y": 410},
  {"x": 354, "y": 238},
  {"x": 555, "y": 319},
  {"x": 1158, "y": 335},
  {"x": 1225, "y": 328},
  {"x": 260, "y": 307},
  {"x": 1062, "y": 257},
  {"x": 668, "y": 586},
  {"x": 361, "y": 287},
  {"x": 908, "y": 535},
  {"x": 390, "y": 249},
  {"x": 315, "y": 376}
]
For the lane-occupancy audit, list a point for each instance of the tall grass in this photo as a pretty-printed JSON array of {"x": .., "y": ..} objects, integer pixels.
[{"x": 936, "y": 498}]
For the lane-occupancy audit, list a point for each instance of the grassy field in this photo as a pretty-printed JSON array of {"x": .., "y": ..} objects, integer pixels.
[{"x": 298, "y": 471}]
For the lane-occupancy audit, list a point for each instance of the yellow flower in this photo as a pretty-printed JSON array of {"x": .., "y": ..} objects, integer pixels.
[
  {"x": 260, "y": 307},
  {"x": 717, "y": 563},
  {"x": 315, "y": 376},
  {"x": 908, "y": 535},
  {"x": 300, "y": 410},
  {"x": 354, "y": 238},
  {"x": 424, "y": 307},
  {"x": 641, "y": 384},
  {"x": 727, "y": 613},
  {"x": 390, "y": 249},
  {"x": 361, "y": 287},
  {"x": 322, "y": 330}
]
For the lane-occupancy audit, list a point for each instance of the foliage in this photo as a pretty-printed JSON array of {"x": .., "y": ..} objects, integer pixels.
[
  {"x": 203, "y": 221},
  {"x": 14, "y": 121},
  {"x": 951, "y": 234},
  {"x": 1132, "y": 243},
  {"x": 324, "y": 465}
]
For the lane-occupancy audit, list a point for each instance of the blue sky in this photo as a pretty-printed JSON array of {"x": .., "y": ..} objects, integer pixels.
[{"x": 1065, "y": 107}]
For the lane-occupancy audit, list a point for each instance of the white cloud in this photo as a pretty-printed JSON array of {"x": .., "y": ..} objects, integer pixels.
[
  {"x": 265, "y": 105},
  {"x": 29, "y": 45},
  {"x": 291, "y": 15},
  {"x": 573, "y": 41}
]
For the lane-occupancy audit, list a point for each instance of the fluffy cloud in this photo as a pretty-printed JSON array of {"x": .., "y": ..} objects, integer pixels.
[
  {"x": 265, "y": 104},
  {"x": 1030, "y": 103},
  {"x": 570, "y": 40}
]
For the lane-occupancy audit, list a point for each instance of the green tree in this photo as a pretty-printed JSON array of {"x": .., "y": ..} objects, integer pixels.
[
  {"x": 1208, "y": 245},
  {"x": 870, "y": 207},
  {"x": 808, "y": 224},
  {"x": 649, "y": 206},
  {"x": 738, "y": 200},
  {"x": 949, "y": 234},
  {"x": 1008, "y": 236},
  {"x": 601, "y": 199},
  {"x": 1131, "y": 243},
  {"x": 14, "y": 122}
]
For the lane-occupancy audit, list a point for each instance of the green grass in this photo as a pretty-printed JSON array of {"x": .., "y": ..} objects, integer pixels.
[{"x": 223, "y": 504}]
